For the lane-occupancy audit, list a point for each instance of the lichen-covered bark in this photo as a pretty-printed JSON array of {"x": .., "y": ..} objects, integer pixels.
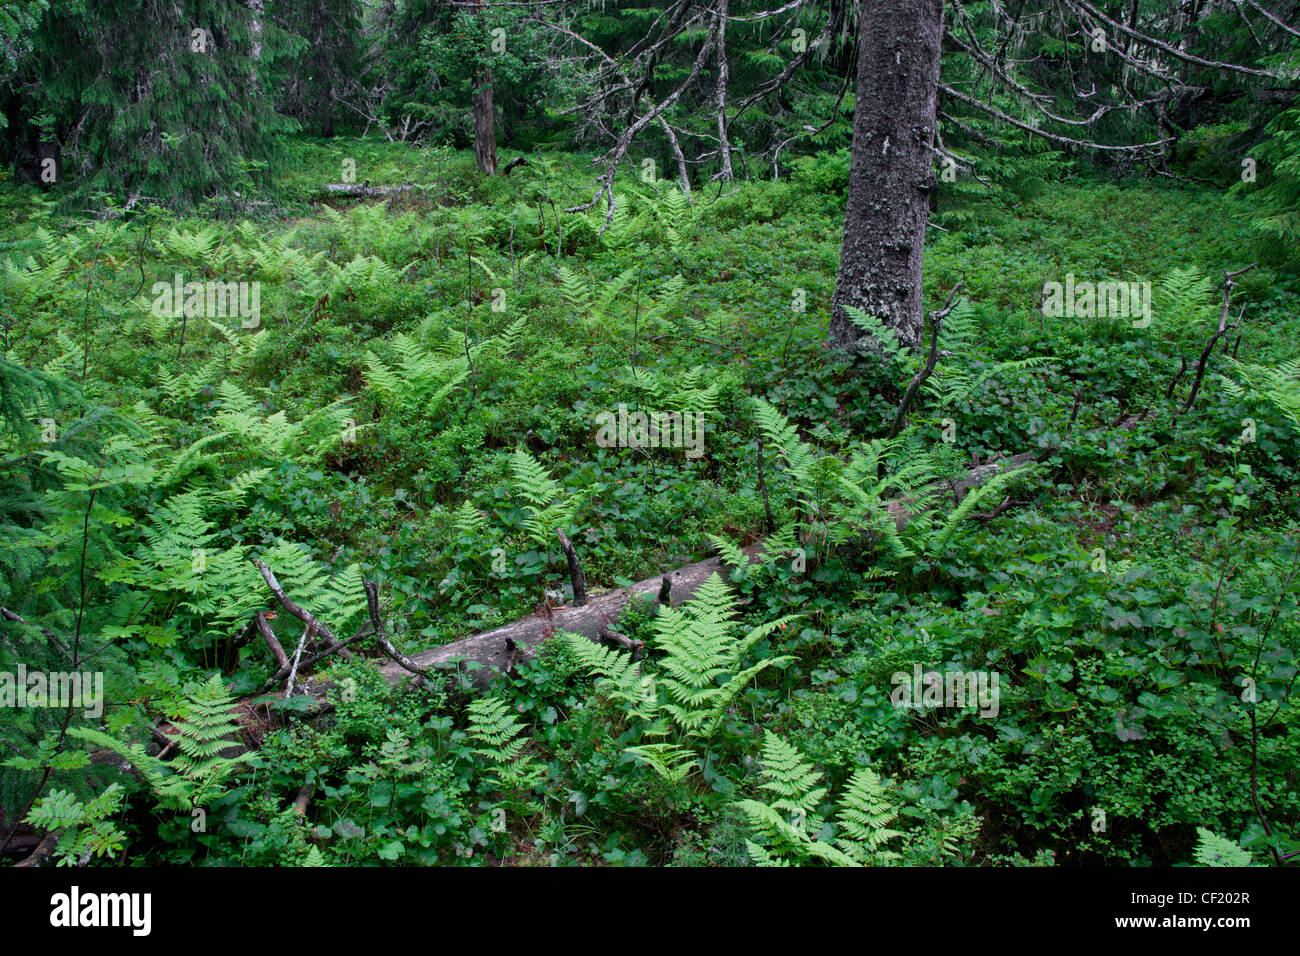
[{"x": 891, "y": 175}]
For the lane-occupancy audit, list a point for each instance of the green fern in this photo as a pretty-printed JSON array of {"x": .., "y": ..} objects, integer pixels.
[
  {"x": 1278, "y": 386},
  {"x": 957, "y": 377},
  {"x": 701, "y": 670},
  {"x": 198, "y": 774},
  {"x": 864, "y": 817},
  {"x": 673, "y": 762},
  {"x": 879, "y": 333},
  {"x": 1214, "y": 850},
  {"x": 789, "y": 824},
  {"x": 1183, "y": 297},
  {"x": 85, "y": 830},
  {"x": 501, "y": 740},
  {"x": 421, "y": 382},
  {"x": 621, "y": 680},
  {"x": 544, "y": 506},
  {"x": 469, "y": 521},
  {"x": 701, "y": 666}
]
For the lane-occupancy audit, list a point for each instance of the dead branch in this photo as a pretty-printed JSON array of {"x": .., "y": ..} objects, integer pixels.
[
  {"x": 1222, "y": 330},
  {"x": 936, "y": 322},
  {"x": 575, "y": 570},
  {"x": 41, "y": 855},
  {"x": 376, "y": 622},
  {"x": 319, "y": 626},
  {"x": 637, "y": 648},
  {"x": 268, "y": 635}
]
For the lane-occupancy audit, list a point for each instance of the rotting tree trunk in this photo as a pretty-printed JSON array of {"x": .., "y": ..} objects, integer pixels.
[
  {"x": 491, "y": 648},
  {"x": 891, "y": 177},
  {"x": 485, "y": 135},
  {"x": 519, "y": 640}
]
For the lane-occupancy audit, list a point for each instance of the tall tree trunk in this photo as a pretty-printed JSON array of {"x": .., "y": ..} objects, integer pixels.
[
  {"x": 258, "y": 10},
  {"x": 323, "y": 74},
  {"x": 485, "y": 137},
  {"x": 891, "y": 176},
  {"x": 720, "y": 94}
]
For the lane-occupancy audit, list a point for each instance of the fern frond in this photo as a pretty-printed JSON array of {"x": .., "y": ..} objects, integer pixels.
[{"x": 1214, "y": 850}]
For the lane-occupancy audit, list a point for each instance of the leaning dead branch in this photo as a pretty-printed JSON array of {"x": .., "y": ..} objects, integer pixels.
[
  {"x": 319, "y": 627},
  {"x": 1223, "y": 329},
  {"x": 268, "y": 635},
  {"x": 575, "y": 569},
  {"x": 376, "y": 622},
  {"x": 914, "y": 386}
]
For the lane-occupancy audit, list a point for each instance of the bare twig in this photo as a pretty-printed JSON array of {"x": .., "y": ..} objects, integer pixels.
[{"x": 307, "y": 632}]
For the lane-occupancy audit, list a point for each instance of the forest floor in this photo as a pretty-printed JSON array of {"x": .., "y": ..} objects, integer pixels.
[{"x": 415, "y": 402}]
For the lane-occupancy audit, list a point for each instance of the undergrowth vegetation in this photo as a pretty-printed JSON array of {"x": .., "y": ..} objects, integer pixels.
[{"x": 414, "y": 403}]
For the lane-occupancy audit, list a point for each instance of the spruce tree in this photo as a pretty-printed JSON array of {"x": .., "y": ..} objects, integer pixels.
[{"x": 152, "y": 100}]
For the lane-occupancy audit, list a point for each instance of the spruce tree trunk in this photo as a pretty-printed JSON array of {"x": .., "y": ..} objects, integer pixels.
[
  {"x": 327, "y": 119},
  {"x": 891, "y": 177},
  {"x": 485, "y": 137}
]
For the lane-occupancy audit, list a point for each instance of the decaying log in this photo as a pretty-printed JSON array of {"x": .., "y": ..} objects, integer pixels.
[
  {"x": 499, "y": 650},
  {"x": 41, "y": 855},
  {"x": 486, "y": 655},
  {"x": 489, "y": 649},
  {"x": 366, "y": 191}
]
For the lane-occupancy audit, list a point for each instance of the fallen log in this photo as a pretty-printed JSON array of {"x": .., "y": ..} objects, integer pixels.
[
  {"x": 365, "y": 190},
  {"x": 499, "y": 649},
  {"x": 486, "y": 656},
  {"x": 491, "y": 650},
  {"x": 41, "y": 855}
]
